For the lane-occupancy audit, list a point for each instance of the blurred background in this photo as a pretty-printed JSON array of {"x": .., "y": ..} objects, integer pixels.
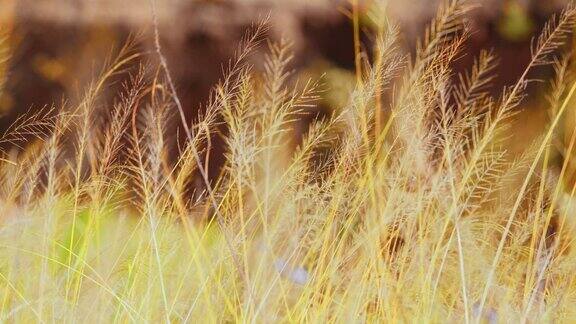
[{"x": 56, "y": 46}]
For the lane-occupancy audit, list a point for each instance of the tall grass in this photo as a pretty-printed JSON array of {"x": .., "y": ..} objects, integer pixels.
[{"x": 407, "y": 210}]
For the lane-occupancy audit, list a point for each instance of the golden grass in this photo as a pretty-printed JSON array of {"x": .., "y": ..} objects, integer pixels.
[{"x": 411, "y": 213}]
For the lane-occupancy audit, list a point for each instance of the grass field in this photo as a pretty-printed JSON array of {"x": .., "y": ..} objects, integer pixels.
[{"x": 404, "y": 210}]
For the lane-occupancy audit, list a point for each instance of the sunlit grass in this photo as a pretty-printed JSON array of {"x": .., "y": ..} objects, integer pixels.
[{"x": 402, "y": 210}]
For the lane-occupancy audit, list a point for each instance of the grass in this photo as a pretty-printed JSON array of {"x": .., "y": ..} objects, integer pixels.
[{"x": 407, "y": 210}]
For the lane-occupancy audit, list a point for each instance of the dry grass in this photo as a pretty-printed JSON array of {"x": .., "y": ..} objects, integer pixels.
[{"x": 414, "y": 212}]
